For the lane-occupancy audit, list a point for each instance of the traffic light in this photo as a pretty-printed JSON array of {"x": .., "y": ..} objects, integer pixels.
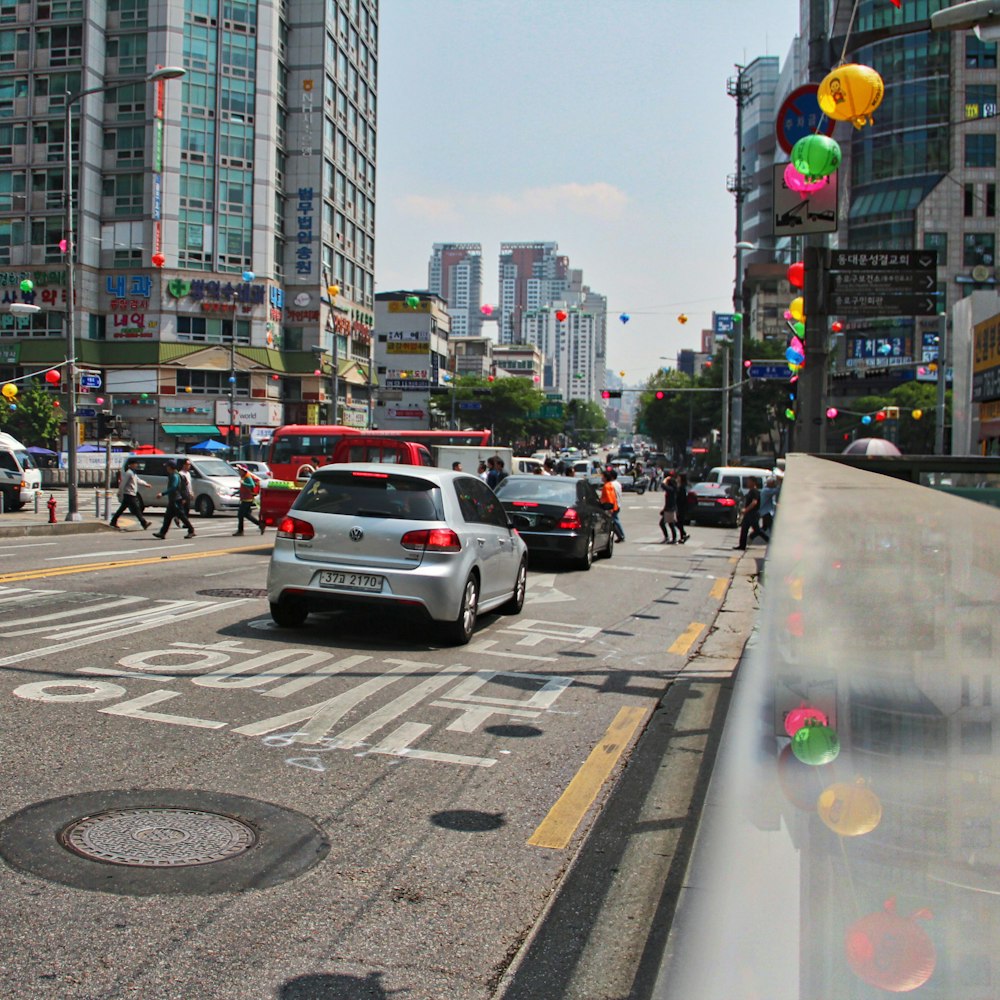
[
  {"x": 611, "y": 394},
  {"x": 105, "y": 423},
  {"x": 481, "y": 391},
  {"x": 440, "y": 390}
]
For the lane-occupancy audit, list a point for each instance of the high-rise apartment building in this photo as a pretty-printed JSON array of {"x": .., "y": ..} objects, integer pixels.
[
  {"x": 531, "y": 276},
  {"x": 455, "y": 273},
  {"x": 224, "y": 221}
]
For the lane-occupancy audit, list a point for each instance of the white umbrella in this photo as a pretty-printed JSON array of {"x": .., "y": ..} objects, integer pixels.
[{"x": 871, "y": 446}]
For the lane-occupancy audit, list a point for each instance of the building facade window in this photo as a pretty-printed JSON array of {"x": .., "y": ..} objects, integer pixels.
[
  {"x": 980, "y": 55},
  {"x": 969, "y": 200},
  {"x": 978, "y": 248},
  {"x": 981, "y": 149},
  {"x": 939, "y": 242}
]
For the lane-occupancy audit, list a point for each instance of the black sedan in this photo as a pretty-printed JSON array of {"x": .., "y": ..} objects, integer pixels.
[
  {"x": 713, "y": 503},
  {"x": 558, "y": 516}
]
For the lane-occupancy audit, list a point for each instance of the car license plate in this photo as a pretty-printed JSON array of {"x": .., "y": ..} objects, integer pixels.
[
  {"x": 352, "y": 581},
  {"x": 707, "y": 503}
]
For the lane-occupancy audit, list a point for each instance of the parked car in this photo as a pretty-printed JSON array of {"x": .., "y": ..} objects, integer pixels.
[
  {"x": 407, "y": 537},
  {"x": 558, "y": 516},
  {"x": 736, "y": 475},
  {"x": 713, "y": 503}
]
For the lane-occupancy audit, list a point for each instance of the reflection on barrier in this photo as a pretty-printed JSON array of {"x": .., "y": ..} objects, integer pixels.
[{"x": 851, "y": 845}]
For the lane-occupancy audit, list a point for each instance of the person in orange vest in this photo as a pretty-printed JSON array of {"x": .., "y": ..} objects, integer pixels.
[{"x": 609, "y": 501}]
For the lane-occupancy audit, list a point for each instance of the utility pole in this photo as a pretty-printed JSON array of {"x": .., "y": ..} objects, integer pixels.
[
  {"x": 725, "y": 404},
  {"x": 740, "y": 89},
  {"x": 942, "y": 384}
]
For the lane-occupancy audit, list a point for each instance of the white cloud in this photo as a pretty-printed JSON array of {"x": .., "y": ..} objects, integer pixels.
[{"x": 599, "y": 200}]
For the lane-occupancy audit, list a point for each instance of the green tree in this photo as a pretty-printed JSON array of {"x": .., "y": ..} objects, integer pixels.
[
  {"x": 508, "y": 406},
  {"x": 33, "y": 420},
  {"x": 585, "y": 422}
]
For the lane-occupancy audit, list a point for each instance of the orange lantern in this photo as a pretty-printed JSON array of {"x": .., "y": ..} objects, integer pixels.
[{"x": 682, "y": 319}]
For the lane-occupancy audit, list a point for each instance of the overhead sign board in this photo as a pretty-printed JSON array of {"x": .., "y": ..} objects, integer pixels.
[
  {"x": 796, "y": 213},
  {"x": 90, "y": 381},
  {"x": 768, "y": 370},
  {"x": 884, "y": 283}
]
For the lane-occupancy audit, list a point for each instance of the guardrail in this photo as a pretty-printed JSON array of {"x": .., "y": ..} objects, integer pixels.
[{"x": 861, "y": 853}]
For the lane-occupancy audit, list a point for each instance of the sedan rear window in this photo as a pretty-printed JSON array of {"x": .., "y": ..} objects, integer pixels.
[
  {"x": 541, "y": 489},
  {"x": 366, "y": 494}
]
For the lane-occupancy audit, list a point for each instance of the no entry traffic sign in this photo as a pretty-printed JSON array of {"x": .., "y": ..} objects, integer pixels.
[{"x": 799, "y": 116}]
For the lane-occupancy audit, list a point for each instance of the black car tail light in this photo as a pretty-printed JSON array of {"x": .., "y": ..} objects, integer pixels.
[{"x": 570, "y": 520}]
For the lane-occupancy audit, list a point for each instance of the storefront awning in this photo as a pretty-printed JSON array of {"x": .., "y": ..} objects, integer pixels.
[{"x": 199, "y": 430}]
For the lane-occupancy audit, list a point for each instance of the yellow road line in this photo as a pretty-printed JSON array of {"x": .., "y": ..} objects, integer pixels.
[
  {"x": 41, "y": 574},
  {"x": 719, "y": 589},
  {"x": 686, "y": 639},
  {"x": 558, "y": 827}
]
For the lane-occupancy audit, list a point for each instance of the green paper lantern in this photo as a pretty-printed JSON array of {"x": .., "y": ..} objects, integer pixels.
[
  {"x": 27, "y": 285},
  {"x": 816, "y": 156},
  {"x": 737, "y": 317},
  {"x": 790, "y": 413},
  {"x": 413, "y": 301},
  {"x": 815, "y": 744}
]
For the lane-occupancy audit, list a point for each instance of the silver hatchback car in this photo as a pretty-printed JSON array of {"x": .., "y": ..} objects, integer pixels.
[{"x": 417, "y": 538}]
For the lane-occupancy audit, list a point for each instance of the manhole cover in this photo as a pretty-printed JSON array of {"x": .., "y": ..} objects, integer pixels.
[
  {"x": 158, "y": 838},
  {"x": 161, "y": 841}
]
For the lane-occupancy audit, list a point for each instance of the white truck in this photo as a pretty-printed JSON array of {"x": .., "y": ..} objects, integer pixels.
[
  {"x": 470, "y": 456},
  {"x": 20, "y": 479}
]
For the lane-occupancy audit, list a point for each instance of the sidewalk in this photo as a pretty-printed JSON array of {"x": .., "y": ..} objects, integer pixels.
[{"x": 33, "y": 518}]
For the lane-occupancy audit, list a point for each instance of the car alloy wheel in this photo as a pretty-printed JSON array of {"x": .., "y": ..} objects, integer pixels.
[
  {"x": 514, "y": 605},
  {"x": 459, "y": 632},
  {"x": 587, "y": 559}
]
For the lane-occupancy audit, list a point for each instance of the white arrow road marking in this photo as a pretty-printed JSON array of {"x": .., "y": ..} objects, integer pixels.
[{"x": 542, "y": 590}]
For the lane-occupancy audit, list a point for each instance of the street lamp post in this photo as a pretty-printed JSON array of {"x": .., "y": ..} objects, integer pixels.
[{"x": 72, "y": 425}]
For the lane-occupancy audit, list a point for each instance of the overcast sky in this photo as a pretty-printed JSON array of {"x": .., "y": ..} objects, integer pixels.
[{"x": 603, "y": 125}]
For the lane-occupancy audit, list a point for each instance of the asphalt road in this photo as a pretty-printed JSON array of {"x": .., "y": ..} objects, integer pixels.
[{"x": 413, "y": 808}]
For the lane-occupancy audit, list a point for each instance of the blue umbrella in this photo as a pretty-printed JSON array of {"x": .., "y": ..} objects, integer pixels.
[{"x": 209, "y": 445}]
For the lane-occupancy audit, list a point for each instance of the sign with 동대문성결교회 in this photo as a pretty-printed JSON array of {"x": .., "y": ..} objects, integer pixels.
[{"x": 884, "y": 283}]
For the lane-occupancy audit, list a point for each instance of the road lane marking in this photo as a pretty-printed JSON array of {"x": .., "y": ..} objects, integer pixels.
[
  {"x": 687, "y": 638},
  {"x": 124, "y": 552},
  {"x": 42, "y": 574},
  {"x": 563, "y": 819},
  {"x": 719, "y": 589}
]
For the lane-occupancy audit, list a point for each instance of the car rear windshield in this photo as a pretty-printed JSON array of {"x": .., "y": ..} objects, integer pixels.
[
  {"x": 538, "y": 489},
  {"x": 371, "y": 494}
]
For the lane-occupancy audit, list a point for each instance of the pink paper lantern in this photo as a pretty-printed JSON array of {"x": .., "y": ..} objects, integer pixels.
[
  {"x": 796, "y": 181},
  {"x": 798, "y": 717}
]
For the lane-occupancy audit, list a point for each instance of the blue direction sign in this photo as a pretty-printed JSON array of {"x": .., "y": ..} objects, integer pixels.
[
  {"x": 86, "y": 411},
  {"x": 768, "y": 369},
  {"x": 90, "y": 381},
  {"x": 467, "y": 405}
]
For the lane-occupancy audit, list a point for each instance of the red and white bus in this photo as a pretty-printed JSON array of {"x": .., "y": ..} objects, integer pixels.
[{"x": 298, "y": 449}]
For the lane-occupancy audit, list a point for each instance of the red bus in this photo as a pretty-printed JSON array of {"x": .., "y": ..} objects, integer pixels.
[{"x": 298, "y": 449}]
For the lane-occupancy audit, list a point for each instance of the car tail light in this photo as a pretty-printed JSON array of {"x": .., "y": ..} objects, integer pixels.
[
  {"x": 570, "y": 520},
  {"x": 432, "y": 539},
  {"x": 726, "y": 502},
  {"x": 370, "y": 475},
  {"x": 293, "y": 527},
  {"x": 523, "y": 503}
]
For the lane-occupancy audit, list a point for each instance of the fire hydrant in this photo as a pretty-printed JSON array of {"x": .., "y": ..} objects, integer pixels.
[{"x": 51, "y": 504}]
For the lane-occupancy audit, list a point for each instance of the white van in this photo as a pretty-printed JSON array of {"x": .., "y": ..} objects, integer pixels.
[
  {"x": 215, "y": 482},
  {"x": 20, "y": 479},
  {"x": 523, "y": 464},
  {"x": 736, "y": 475}
]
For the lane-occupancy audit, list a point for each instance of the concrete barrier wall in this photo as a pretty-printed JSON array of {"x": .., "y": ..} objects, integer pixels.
[{"x": 865, "y": 853}]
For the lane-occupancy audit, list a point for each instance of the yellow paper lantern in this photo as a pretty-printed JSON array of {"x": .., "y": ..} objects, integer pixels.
[
  {"x": 9, "y": 390},
  {"x": 850, "y": 810},
  {"x": 682, "y": 318},
  {"x": 917, "y": 414},
  {"x": 850, "y": 93},
  {"x": 333, "y": 290},
  {"x": 797, "y": 308}
]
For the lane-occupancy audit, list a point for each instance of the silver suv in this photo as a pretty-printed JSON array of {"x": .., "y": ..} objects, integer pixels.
[{"x": 406, "y": 537}]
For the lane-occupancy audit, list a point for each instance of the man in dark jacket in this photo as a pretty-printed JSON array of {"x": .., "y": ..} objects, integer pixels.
[
  {"x": 175, "y": 505},
  {"x": 751, "y": 515}
]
